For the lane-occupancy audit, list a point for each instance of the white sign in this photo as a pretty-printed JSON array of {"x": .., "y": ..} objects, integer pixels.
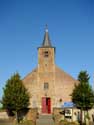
[{"x": 68, "y": 112}]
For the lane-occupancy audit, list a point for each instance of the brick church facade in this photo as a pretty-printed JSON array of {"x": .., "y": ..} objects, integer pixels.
[{"x": 48, "y": 85}]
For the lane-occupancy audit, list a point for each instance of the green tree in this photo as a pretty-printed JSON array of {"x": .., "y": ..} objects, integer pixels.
[
  {"x": 83, "y": 77},
  {"x": 83, "y": 95},
  {"x": 16, "y": 97}
]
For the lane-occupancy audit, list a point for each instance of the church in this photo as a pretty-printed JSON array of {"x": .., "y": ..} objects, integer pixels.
[{"x": 47, "y": 84}]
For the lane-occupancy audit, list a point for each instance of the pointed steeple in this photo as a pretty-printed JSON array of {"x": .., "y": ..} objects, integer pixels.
[{"x": 46, "y": 40}]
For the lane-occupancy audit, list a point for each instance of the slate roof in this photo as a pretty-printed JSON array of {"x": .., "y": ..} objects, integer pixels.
[{"x": 46, "y": 40}]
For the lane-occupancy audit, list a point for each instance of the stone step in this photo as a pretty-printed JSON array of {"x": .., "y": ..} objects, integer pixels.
[
  {"x": 45, "y": 120},
  {"x": 45, "y": 116}
]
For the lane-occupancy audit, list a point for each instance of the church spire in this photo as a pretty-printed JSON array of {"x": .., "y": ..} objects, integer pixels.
[{"x": 46, "y": 40}]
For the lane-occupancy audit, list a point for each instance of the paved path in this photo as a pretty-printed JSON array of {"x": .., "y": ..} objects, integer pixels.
[{"x": 45, "y": 120}]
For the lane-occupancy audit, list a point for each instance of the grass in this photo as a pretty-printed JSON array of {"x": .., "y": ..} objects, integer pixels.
[
  {"x": 64, "y": 122},
  {"x": 27, "y": 123},
  {"x": 7, "y": 122}
]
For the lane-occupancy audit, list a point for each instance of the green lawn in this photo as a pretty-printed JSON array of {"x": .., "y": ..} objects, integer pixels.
[{"x": 6, "y": 122}]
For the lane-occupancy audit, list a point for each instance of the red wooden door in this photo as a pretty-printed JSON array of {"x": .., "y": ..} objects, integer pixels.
[
  {"x": 46, "y": 105},
  {"x": 43, "y": 104},
  {"x": 49, "y": 105}
]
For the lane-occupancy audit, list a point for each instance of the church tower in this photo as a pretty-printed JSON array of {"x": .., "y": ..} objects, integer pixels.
[
  {"x": 46, "y": 54},
  {"x": 46, "y": 72}
]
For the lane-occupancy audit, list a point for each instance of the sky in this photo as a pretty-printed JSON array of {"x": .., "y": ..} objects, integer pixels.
[{"x": 22, "y": 25}]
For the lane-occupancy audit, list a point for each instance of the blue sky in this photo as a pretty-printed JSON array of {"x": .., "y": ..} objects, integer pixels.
[{"x": 71, "y": 30}]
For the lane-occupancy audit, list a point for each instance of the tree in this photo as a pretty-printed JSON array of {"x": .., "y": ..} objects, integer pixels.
[
  {"x": 83, "y": 77},
  {"x": 16, "y": 97},
  {"x": 83, "y": 95}
]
